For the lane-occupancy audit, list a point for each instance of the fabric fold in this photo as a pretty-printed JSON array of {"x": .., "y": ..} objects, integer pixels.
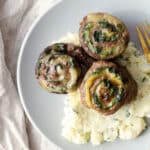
[
  {"x": 12, "y": 126},
  {"x": 16, "y": 131}
]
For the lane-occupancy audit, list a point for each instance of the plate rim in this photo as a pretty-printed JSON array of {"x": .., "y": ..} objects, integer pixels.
[{"x": 18, "y": 71}]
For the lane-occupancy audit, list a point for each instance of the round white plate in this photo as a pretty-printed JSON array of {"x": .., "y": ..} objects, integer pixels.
[{"x": 46, "y": 110}]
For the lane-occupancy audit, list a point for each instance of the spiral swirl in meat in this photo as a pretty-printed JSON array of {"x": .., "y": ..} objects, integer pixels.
[
  {"x": 103, "y": 36},
  {"x": 106, "y": 87},
  {"x": 56, "y": 71}
]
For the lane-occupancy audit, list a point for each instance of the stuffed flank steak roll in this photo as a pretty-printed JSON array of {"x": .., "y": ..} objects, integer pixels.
[
  {"x": 103, "y": 36},
  {"x": 106, "y": 87},
  {"x": 57, "y": 71}
]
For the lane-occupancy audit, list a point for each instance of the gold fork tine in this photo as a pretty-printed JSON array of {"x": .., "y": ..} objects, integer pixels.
[
  {"x": 143, "y": 44},
  {"x": 148, "y": 25},
  {"x": 146, "y": 35},
  {"x": 141, "y": 38}
]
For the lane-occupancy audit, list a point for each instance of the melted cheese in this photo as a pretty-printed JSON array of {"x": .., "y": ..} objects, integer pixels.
[
  {"x": 89, "y": 82},
  {"x": 74, "y": 73}
]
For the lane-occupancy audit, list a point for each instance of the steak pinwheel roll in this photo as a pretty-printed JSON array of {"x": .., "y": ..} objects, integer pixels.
[
  {"x": 106, "y": 87},
  {"x": 103, "y": 36},
  {"x": 56, "y": 71}
]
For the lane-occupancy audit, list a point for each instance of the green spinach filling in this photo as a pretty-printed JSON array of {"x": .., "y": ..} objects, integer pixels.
[
  {"x": 99, "y": 70},
  {"x": 100, "y": 36},
  {"x": 97, "y": 100},
  {"x": 116, "y": 98},
  {"x": 105, "y": 32},
  {"x": 115, "y": 92},
  {"x": 109, "y": 69}
]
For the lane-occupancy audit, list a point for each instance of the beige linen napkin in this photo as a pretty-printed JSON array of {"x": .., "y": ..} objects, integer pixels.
[{"x": 16, "y": 132}]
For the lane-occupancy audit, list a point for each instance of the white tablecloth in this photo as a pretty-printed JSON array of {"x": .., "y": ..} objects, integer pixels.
[{"x": 16, "y": 132}]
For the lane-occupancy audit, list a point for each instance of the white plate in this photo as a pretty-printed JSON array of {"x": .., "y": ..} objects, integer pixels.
[{"x": 46, "y": 110}]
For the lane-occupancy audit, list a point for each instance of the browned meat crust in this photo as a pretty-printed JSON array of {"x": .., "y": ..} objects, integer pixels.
[{"x": 80, "y": 55}]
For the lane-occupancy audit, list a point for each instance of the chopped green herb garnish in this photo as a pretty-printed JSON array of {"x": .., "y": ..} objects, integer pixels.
[
  {"x": 105, "y": 24},
  {"x": 99, "y": 70},
  {"x": 98, "y": 36},
  {"x": 108, "y": 38},
  {"x": 115, "y": 119},
  {"x": 113, "y": 70},
  {"x": 120, "y": 94},
  {"x": 63, "y": 89},
  {"x": 74, "y": 110},
  {"x": 106, "y": 53},
  {"x": 61, "y": 47},
  {"x": 96, "y": 100},
  {"x": 102, "y": 37},
  {"x": 144, "y": 79},
  {"x": 114, "y": 90},
  {"x": 118, "y": 98},
  {"x": 128, "y": 113},
  {"x": 39, "y": 64},
  {"x": 113, "y": 38},
  {"x": 125, "y": 58},
  {"x": 98, "y": 50},
  {"x": 71, "y": 63},
  {"x": 88, "y": 26},
  {"x": 107, "y": 83}
]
